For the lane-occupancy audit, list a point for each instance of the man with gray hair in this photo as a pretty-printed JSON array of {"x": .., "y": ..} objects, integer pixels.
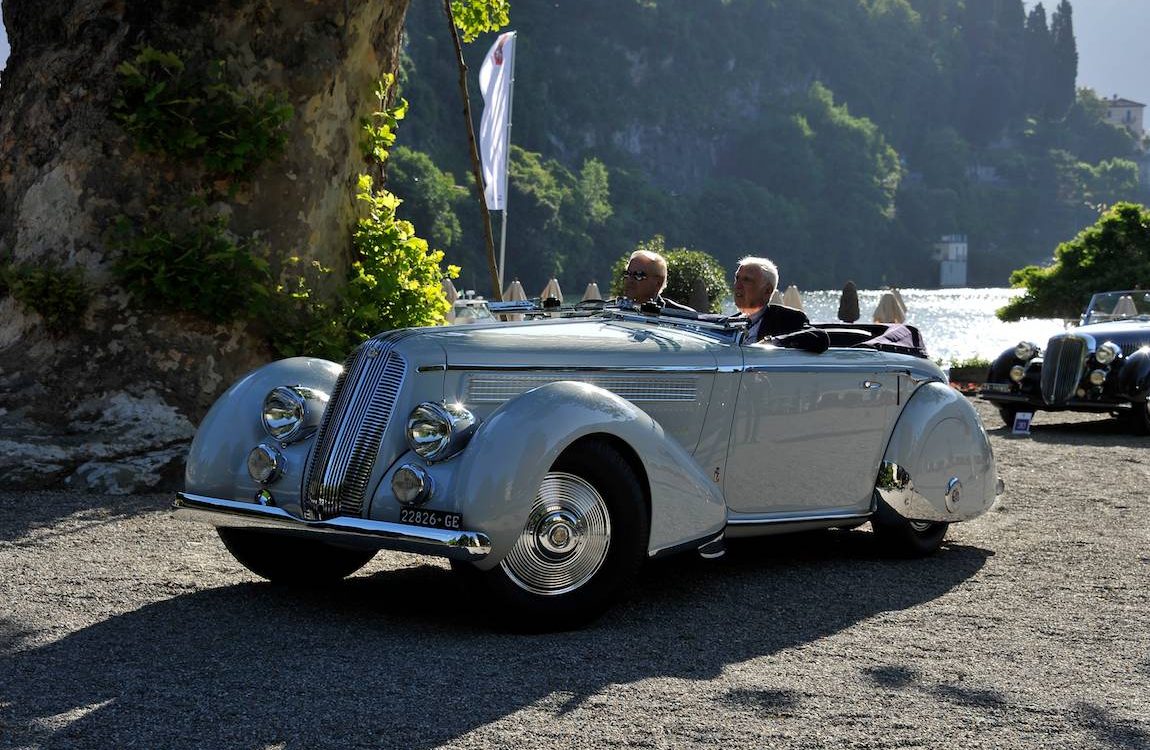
[
  {"x": 756, "y": 279},
  {"x": 646, "y": 278}
]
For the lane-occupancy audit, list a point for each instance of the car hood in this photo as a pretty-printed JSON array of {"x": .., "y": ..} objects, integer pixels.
[
  {"x": 1129, "y": 334},
  {"x": 576, "y": 344}
]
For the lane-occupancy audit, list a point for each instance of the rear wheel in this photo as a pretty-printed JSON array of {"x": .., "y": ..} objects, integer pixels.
[
  {"x": 291, "y": 560},
  {"x": 582, "y": 543},
  {"x": 905, "y": 538}
]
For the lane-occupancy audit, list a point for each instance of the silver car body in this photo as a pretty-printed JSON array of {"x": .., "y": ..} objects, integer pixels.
[{"x": 725, "y": 438}]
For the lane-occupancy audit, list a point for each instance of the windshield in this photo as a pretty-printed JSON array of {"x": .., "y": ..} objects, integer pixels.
[{"x": 1107, "y": 306}]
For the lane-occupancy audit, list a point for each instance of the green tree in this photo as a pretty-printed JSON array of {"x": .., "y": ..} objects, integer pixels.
[
  {"x": 1113, "y": 253},
  {"x": 1065, "y": 71}
]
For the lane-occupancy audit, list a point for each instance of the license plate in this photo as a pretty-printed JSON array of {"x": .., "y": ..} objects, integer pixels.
[{"x": 435, "y": 519}]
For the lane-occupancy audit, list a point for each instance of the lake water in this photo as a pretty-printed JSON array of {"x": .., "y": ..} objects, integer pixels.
[{"x": 956, "y": 324}]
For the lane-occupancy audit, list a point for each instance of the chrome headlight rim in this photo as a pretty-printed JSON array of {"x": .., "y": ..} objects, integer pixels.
[
  {"x": 1107, "y": 353},
  {"x": 290, "y": 413},
  {"x": 1025, "y": 351},
  {"x": 1017, "y": 373},
  {"x": 452, "y": 426}
]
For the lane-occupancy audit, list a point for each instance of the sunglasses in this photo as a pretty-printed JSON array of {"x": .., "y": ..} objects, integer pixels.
[{"x": 636, "y": 275}]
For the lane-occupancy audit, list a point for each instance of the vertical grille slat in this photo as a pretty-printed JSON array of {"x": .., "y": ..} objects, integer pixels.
[
  {"x": 1062, "y": 368},
  {"x": 352, "y": 430}
]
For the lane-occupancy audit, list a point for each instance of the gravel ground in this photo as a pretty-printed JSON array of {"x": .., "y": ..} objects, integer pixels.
[{"x": 121, "y": 627}]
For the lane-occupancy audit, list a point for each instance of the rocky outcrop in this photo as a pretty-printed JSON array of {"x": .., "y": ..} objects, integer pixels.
[{"x": 110, "y": 403}]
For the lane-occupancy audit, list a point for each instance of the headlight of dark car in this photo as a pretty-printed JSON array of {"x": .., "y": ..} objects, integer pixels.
[
  {"x": 1025, "y": 350},
  {"x": 1107, "y": 353},
  {"x": 439, "y": 431},
  {"x": 292, "y": 412}
]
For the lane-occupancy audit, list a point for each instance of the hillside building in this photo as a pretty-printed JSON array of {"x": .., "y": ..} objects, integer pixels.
[
  {"x": 1126, "y": 113},
  {"x": 950, "y": 252}
]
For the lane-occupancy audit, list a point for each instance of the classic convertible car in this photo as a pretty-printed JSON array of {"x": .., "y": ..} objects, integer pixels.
[
  {"x": 547, "y": 459},
  {"x": 1102, "y": 365}
]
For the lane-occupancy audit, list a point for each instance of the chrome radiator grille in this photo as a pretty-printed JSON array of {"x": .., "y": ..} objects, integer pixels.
[
  {"x": 1062, "y": 368},
  {"x": 352, "y": 429}
]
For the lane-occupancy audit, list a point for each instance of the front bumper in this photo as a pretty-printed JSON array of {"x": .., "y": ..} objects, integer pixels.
[
  {"x": 361, "y": 532},
  {"x": 1036, "y": 403}
]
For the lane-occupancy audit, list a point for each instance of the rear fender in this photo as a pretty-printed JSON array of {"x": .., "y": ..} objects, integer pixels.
[
  {"x": 938, "y": 465},
  {"x": 505, "y": 461}
]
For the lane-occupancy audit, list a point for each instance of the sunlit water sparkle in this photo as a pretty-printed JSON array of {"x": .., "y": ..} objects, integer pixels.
[{"x": 957, "y": 324}]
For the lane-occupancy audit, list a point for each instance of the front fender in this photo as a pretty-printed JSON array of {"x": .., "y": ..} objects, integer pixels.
[
  {"x": 503, "y": 465},
  {"x": 938, "y": 440},
  {"x": 217, "y": 460},
  {"x": 1134, "y": 380}
]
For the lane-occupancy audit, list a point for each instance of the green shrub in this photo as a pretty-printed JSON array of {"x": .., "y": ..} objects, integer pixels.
[
  {"x": 58, "y": 295},
  {"x": 195, "y": 267},
  {"x": 191, "y": 114}
]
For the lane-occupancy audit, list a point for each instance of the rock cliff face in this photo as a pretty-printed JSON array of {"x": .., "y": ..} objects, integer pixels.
[{"x": 111, "y": 403}]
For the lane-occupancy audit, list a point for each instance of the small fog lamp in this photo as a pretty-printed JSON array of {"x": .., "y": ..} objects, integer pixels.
[
  {"x": 1097, "y": 377},
  {"x": 411, "y": 485},
  {"x": 1017, "y": 373},
  {"x": 264, "y": 464}
]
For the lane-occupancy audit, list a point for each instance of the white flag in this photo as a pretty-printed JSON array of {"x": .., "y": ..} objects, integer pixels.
[{"x": 495, "y": 84}]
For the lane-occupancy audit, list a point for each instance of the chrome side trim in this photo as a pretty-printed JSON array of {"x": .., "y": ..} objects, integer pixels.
[
  {"x": 683, "y": 369},
  {"x": 457, "y": 545},
  {"x": 772, "y": 520},
  {"x": 495, "y": 389}
]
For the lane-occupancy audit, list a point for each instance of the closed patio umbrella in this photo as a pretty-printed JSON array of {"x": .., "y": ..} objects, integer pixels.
[
  {"x": 792, "y": 298},
  {"x": 898, "y": 298},
  {"x": 552, "y": 291},
  {"x": 849, "y": 303},
  {"x": 776, "y": 298},
  {"x": 591, "y": 293},
  {"x": 452, "y": 294},
  {"x": 888, "y": 310},
  {"x": 513, "y": 293}
]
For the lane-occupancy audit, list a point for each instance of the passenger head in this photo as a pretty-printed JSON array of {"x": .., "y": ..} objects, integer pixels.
[
  {"x": 645, "y": 277},
  {"x": 755, "y": 281}
]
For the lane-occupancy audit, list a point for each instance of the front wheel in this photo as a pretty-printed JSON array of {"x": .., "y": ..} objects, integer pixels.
[
  {"x": 291, "y": 560},
  {"x": 583, "y": 541},
  {"x": 1008, "y": 414},
  {"x": 902, "y": 537}
]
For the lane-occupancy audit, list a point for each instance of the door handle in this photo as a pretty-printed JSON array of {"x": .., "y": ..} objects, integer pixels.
[{"x": 871, "y": 384}]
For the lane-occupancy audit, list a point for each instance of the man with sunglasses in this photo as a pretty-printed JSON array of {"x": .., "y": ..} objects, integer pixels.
[{"x": 646, "y": 278}]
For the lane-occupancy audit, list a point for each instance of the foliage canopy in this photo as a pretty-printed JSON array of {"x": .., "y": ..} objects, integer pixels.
[{"x": 1113, "y": 253}]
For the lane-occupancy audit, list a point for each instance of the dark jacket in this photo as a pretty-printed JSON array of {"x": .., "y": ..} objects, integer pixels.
[{"x": 789, "y": 327}]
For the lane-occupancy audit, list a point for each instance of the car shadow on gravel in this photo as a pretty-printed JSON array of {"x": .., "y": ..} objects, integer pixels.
[{"x": 402, "y": 658}]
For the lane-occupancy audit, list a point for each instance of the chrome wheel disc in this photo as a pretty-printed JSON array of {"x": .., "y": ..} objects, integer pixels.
[{"x": 565, "y": 539}]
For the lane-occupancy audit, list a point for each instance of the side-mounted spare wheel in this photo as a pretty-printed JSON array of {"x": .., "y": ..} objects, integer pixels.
[
  {"x": 583, "y": 541},
  {"x": 905, "y": 538},
  {"x": 291, "y": 560}
]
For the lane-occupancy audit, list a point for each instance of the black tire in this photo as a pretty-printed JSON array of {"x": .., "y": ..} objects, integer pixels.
[
  {"x": 291, "y": 560},
  {"x": 900, "y": 537},
  {"x": 1138, "y": 419},
  {"x": 539, "y": 585},
  {"x": 1008, "y": 413}
]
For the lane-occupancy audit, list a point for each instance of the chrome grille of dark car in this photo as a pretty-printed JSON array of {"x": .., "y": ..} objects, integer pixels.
[
  {"x": 352, "y": 429},
  {"x": 1128, "y": 349},
  {"x": 1062, "y": 367}
]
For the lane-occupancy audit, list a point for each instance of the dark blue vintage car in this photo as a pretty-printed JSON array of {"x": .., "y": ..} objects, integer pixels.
[{"x": 1102, "y": 365}]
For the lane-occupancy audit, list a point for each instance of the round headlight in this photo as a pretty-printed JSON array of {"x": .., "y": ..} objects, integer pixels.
[
  {"x": 1107, "y": 353},
  {"x": 438, "y": 431},
  {"x": 410, "y": 484},
  {"x": 1025, "y": 350},
  {"x": 264, "y": 464},
  {"x": 1097, "y": 377},
  {"x": 1017, "y": 373},
  {"x": 292, "y": 412}
]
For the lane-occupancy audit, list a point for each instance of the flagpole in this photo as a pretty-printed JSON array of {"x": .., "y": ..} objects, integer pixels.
[{"x": 506, "y": 165}]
